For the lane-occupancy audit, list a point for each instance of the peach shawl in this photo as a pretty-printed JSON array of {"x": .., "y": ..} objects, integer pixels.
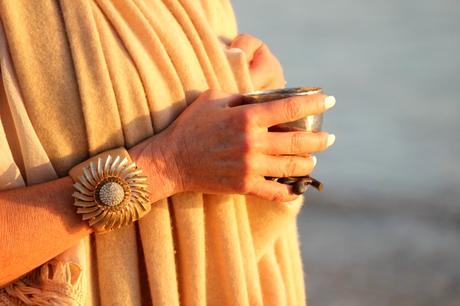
[{"x": 83, "y": 76}]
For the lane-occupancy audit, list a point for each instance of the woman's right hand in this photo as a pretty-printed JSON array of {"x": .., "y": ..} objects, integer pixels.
[{"x": 221, "y": 146}]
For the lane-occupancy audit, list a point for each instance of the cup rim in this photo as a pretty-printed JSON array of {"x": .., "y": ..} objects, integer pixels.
[{"x": 292, "y": 91}]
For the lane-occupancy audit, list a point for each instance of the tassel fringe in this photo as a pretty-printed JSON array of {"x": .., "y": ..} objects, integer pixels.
[{"x": 54, "y": 283}]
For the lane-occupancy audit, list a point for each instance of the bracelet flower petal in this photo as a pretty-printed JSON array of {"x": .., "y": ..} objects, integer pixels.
[{"x": 111, "y": 193}]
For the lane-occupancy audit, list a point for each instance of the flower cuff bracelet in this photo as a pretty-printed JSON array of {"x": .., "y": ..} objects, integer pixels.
[{"x": 111, "y": 191}]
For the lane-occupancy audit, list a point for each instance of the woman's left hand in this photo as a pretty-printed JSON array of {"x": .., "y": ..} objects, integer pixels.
[{"x": 266, "y": 71}]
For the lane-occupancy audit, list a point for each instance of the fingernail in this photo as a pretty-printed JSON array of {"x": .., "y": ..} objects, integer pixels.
[
  {"x": 234, "y": 50},
  {"x": 329, "y": 102},
  {"x": 314, "y": 160},
  {"x": 330, "y": 140}
]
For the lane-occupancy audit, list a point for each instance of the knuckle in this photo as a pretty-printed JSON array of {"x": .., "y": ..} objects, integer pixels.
[
  {"x": 297, "y": 143},
  {"x": 244, "y": 36},
  {"x": 210, "y": 94},
  {"x": 247, "y": 165},
  {"x": 289, "y": 167},
  {"x": 291, "y": 109},
  {"x": 246, "y": 120},
  {"x": 245, "y": 185},
  {"x": 264, "y": 50},
  {"x": 248, "y": 38},
  {"x": 248, "y": 145},
  {"x": 242, "y": 180},
  {"x": 278, "y": 196}
]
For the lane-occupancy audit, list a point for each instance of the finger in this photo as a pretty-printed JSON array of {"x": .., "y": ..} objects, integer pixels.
[
  {"x": 248, "y": 44},
  {"x": 289, "y": 109},
  {"x": 294, "y": 143},
  {"x": 273, "y": 191},
  {"x": 284, "y": 166},
  {"x": 266, "y": 71}
]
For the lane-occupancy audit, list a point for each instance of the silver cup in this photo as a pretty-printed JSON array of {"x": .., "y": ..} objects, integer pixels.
[{"x": 311, "y": 123}]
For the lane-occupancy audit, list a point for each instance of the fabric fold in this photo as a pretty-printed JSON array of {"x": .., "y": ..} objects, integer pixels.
[
  {"x": 189, "y": 221},
  {"x": 36, "y": 163},
  {"x": 127, "y": 85},
  {"x": 212, "y": 44},
  {"x": 10, "y": 175},
  {"x": 184, "y": 20},
  {"x": 177, "y": 46},
  {"x": 163, "y": 88},
  {"x": 100, "y": 110},
  {"x": 46, "y": 78},
  {"x": 107, "y": 73},
  {"x": 225, "y": 279},
  {"x": 159, "y": 252}
]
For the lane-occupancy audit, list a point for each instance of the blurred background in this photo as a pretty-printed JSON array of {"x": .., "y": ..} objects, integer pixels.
[{"x": 386, "y": 231}]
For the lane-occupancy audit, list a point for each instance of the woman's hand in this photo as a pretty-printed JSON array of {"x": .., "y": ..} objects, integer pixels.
[
  {"x": 220, "y": 146},
  {"x": 265, "y": 69}
]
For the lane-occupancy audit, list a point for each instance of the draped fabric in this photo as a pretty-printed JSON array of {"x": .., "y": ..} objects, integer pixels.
[{"x": 80, "y": 77}]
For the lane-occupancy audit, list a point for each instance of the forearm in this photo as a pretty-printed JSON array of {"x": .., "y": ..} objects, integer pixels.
[
  {"x": 36, "y": 224},
  {"x": 39, "y": 222}
]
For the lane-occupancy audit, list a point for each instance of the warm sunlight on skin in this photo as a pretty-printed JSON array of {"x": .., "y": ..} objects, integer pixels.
[
  {"x": 265, "y": 69},
  {"x": 216, "y": 145},
  {"x": 220, "y": 146}
]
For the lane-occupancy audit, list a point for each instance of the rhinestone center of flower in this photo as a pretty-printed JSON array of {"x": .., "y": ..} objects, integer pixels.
[{"x": 111, "y": 194}]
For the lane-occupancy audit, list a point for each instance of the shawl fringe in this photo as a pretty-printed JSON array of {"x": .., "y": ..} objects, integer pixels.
[{"x": 54, "y": 283}]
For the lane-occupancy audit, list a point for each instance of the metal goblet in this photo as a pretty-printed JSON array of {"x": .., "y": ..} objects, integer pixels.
[{"x": 309, "y": 124}]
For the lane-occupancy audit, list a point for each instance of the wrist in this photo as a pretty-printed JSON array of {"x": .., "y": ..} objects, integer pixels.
[{"x": 156, "y": 156}]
